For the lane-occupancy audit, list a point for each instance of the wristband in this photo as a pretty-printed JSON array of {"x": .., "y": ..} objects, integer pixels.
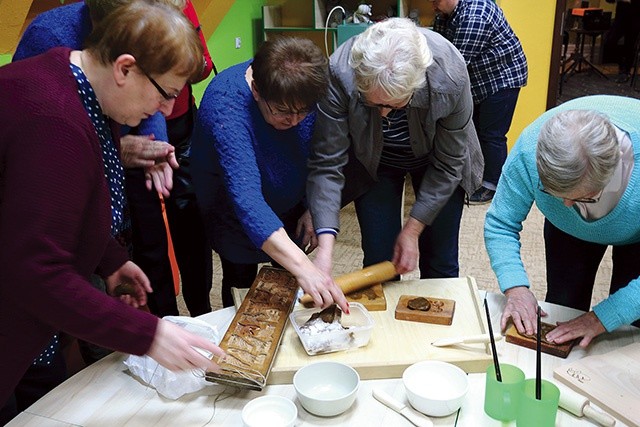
[{"x": 332, "y": 231}]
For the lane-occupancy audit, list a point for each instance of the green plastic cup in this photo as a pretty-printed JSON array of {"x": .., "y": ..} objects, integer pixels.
[
  {"x": 538, "y": 413},
  {"x": 501, "y": 398}
]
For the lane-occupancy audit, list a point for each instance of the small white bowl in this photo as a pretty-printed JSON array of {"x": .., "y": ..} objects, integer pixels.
[
  {"x": 326, "y": 388},
  {"x": 270, "y": 410},
  {"x": 435, "y": 388}
]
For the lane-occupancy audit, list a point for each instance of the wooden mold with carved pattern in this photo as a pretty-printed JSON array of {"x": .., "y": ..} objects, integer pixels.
[{"x": 254, "y": 335}]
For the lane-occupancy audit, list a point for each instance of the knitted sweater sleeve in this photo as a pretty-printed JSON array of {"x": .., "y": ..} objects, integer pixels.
[
  {"x": 36, "y": 40},
  {"x": 621, "y": 308},
  {"x": 155, "y": 125},
  {"x": 503, "y": 223}
]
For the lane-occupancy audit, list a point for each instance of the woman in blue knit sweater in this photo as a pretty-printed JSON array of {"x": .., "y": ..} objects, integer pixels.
[
  {"x": 577, "y": 163},
  {"x": 249, "y": 165}
]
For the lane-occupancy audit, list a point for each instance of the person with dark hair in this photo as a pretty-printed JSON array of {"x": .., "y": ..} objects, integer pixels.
[
  {"x": 249, "y": 165},
  {"x": 62, "y": 195}
]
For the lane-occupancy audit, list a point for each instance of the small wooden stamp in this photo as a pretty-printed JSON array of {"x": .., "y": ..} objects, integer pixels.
[
  {"x": 425, "y": 309},
  {"x": 559, "y": 350},
  {"x": 372, "y": 298}
]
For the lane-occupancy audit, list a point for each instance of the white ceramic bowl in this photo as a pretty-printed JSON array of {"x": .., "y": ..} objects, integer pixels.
[
  {"x": 326, "y": 388},
  {"x": 269, "y": 410},
  {"x": 435, "y": 388}
]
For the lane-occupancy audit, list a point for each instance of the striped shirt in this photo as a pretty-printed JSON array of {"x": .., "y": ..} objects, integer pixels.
[
  {"x": 396, "y": 148},
  {"x": 492, "y": 51}
]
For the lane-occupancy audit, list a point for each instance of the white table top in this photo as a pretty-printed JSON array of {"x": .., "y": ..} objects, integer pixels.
[{"x": 106, "y": 394}]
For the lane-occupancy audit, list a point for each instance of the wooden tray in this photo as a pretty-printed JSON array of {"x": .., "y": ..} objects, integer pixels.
[
  {"x": 612, "y": 380},
  {"x": 396, "y": 344},
  {"x": 255, "y": 332}
]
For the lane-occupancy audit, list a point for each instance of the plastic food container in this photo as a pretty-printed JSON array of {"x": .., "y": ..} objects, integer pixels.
[{"x": 358, "y": 324}]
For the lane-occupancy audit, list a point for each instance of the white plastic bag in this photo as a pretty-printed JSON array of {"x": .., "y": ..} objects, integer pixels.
[{"x": 171, "y": 384}]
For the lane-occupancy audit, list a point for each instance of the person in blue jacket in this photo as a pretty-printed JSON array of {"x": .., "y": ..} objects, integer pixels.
[
  {"x": 577, "y": 162},
  {"x": 249, "y": 165}
]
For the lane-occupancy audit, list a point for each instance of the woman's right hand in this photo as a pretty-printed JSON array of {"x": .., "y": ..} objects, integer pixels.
[
  {"x": 175, "y": 348},
  {"x": 522, "y": 308},
  {"x": 321, "y": 287}
]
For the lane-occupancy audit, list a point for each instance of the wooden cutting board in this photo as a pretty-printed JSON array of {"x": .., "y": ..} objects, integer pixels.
[
  {"x": 396, "y": 344},
  {"x": 612, "y": 380}
]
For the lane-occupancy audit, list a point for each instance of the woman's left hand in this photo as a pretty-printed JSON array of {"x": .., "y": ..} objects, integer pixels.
[
  {"x": 160, "y": 177},
  {"x": 305, "y": 231},
  {"x": 587, "y": 326},
  {"x": 406, "y": 251},
  {"x": 130, "y": 284}
]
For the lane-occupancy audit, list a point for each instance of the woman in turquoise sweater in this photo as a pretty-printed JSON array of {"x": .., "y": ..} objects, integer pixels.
[{"x": 576, "y": 162}]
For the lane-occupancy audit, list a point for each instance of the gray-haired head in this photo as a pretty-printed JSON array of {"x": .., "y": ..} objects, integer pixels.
[
  {"x": 391, "y": 55},
  {"x": 577, "y": 149}
]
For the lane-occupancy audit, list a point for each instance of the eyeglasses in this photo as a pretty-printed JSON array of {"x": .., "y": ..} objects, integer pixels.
[
  {"x": 594, "y": 199},
  {"x": 288, "y": 113},
  {"x": 366, "y": 103},
  {"x": 155, "y": 84}
]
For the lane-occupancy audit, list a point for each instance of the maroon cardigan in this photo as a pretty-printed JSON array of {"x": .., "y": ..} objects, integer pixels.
[{"x": 55, "y": 219}]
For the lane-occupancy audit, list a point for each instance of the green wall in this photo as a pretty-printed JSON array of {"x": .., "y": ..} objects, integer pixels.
[
  {"x": 5, "y": 58},
  {"x": 243, "y": 20}
]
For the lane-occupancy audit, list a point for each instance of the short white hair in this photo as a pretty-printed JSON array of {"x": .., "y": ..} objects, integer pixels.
[
  {"x": 393, "y": 56},
  {"x": 577, "y": 149}
]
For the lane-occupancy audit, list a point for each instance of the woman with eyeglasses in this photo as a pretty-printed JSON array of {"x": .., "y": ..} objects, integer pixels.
[
  {"x": 69, "y": 26},
  {"x": 399, "y": 104},
  {"x": 61, "y": 190},
  {"x": 577, "y": 163},
  {"x": 249, "y": 165}
]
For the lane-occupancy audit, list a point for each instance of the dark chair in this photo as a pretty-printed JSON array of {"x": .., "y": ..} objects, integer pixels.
[
  {"x": 594, "y": 20},
  {"x": 568, "y": 22}
]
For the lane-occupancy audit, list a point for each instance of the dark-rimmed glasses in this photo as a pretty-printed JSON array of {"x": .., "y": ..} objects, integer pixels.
[
  {"x": 280, "y": 113},
  {"x": 366, "y": 103},
  {"x": 594, "y": 199},
  {"x": 155, "y": 84}
]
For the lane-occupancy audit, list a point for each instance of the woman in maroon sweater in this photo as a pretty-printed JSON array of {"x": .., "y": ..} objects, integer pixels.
[{"x": 61, "y": 189}]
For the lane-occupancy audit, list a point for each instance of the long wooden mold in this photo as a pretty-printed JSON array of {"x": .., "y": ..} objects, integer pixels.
[
  {"x": 256, "y": 330},
  {"x": 396, "y": 344}
]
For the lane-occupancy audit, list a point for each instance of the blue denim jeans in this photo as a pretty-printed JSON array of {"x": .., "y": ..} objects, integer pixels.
[
  {"x": 492, "y": 120},
  {"x": 379, "y": 215}
]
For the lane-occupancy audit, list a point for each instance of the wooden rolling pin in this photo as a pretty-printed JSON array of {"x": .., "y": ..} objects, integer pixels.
[
  {"x": 579, "y": 406},
  {"x": 360, "y": 279}
]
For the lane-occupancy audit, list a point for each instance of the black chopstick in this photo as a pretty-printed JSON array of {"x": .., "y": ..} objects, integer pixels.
[
  {"x": 493, "y": 342},
  {"x": 538, "y": 360}
]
